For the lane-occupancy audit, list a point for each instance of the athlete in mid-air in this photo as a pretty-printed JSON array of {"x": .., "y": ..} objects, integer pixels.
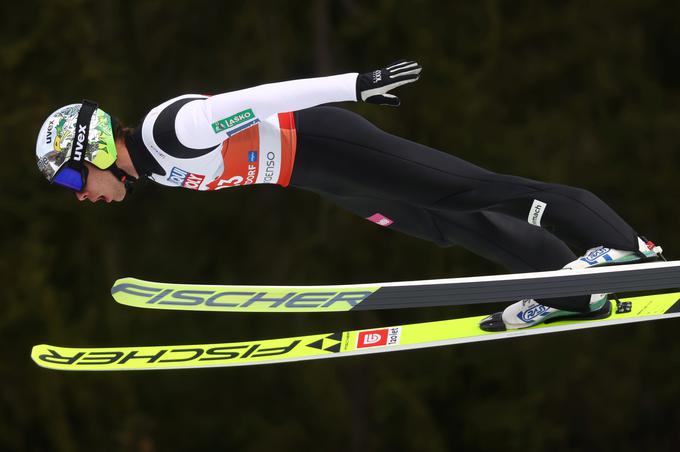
[{"x": 278, "y": 134}]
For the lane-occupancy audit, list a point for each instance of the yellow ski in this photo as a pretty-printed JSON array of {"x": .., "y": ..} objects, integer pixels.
[
  {"x": 396, "y": 295},
  {"x": 332, "y": 345}
]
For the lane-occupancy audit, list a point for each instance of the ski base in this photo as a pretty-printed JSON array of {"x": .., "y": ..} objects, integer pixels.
[{"x": 332, "y": 345}]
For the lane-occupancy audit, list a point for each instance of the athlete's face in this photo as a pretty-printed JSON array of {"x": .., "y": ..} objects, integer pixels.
[{"x": 101, "y": 185}]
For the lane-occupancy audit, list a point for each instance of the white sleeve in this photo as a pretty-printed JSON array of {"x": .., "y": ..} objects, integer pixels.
[{"x": 208, "y": 122}]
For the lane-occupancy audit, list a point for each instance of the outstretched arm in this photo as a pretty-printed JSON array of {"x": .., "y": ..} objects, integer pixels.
[{"x": 209, "y": 121}]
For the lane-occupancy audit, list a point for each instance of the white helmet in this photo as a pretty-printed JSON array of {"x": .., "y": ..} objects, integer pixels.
[{"x": 68, "y": 136}]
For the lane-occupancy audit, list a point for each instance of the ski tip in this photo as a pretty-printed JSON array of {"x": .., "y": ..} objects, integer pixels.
[
  {"x": 135, "y": 292},
  {"x": 117, "y": 284},
  {"x": 128, "y": 286},
  {"x": 124, "y": 280},
  {"x": 36, "y": 351},
  {"x": 128, "y": 282}
]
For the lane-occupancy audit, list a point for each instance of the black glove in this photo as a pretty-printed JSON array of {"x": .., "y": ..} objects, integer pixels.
[{"x": 372, "y": 87}]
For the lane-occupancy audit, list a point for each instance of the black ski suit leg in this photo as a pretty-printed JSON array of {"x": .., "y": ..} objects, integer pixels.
[
  {"x": 512, "y": 243},
  {"x": 575, "y": 215},
  {"x": 341, "y": 154},
  {"x": 507, "y": 241}
]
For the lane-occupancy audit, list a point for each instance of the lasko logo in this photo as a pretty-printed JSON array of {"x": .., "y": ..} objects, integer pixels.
[
  {"x": 242, "y": 117},
  {"x": 379, "y": 338},
  {"x": 185, "y": 179},
  {"x": 244, "y": 299},
  {"x": 536, "y": 212}
]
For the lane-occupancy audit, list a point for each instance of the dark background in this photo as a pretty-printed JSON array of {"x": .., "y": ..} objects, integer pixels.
[{"x": 582, "y": 93}]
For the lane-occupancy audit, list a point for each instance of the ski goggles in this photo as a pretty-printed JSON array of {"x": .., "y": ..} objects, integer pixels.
[
  {"x": 73, "y": 175},
  {"x": 71, "y": 178}
]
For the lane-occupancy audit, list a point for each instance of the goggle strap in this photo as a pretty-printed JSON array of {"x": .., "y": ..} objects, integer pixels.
[
  {"x": 122, "y": 176},
  {"x": 82, "y": 133}
]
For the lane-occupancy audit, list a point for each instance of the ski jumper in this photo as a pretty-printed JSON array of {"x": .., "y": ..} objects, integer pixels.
[{"x": 277, "y": 134}]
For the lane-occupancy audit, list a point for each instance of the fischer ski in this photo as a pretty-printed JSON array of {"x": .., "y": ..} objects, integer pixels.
[
  {"x": 397, "y": 295},
  {"x": 333, "y": 345}
]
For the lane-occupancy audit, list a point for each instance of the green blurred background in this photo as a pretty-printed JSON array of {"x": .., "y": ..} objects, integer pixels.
[{"x": 581, "y": 93}]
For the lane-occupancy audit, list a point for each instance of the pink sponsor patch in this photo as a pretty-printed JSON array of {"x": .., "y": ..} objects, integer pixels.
[{"x": 380, "y": 219}]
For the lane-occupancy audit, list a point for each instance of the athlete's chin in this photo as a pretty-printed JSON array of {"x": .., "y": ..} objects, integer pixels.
[{"x": 118, "y": 196}]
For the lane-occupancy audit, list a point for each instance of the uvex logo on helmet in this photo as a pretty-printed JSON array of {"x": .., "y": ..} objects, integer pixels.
[
  {"x": 80, "y": 138},
  {"x": 50, "y": 128}
]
